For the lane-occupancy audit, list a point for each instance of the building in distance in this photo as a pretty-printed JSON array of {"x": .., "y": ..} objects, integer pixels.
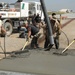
[{"x": 66, "y": 10}]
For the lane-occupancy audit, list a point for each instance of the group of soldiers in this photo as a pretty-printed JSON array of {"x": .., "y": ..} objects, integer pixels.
[{"x": 34, "y": 30}]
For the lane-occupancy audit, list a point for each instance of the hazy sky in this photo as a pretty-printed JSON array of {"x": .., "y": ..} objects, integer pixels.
[{"x": 53, "y": 5}]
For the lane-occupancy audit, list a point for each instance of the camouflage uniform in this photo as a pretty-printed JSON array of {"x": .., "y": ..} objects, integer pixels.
[{"x": 56, "y": 31}]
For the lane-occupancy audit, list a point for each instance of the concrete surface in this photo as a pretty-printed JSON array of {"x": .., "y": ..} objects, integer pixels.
[{"x": 44, "y": 62}]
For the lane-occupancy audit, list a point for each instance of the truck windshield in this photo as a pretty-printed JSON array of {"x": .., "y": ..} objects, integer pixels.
[
  {"x": 4, "y": 6},
  {"x": 32, "y": 9},
  {"x": 31, "y": 6}
]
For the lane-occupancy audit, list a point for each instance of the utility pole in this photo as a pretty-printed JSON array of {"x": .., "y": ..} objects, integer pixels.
[{"x": 51, "y": 39}]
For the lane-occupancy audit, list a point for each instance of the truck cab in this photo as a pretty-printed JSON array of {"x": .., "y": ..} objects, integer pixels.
[
  {"x": 13, "y": 15},
  {"x": 29, "y": 8}
]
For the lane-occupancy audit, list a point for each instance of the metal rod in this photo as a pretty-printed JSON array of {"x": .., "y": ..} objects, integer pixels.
[
  {"x": 48, "y": 22},
  {"x": 4, "y": 47}
]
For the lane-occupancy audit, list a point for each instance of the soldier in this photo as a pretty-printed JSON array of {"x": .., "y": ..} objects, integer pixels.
[
  {"x": 2, "y": 30},
  {"x": 38, "y": 18},
  {"x": 56, "y": 28},
  {"x": 32, "y": 31}
]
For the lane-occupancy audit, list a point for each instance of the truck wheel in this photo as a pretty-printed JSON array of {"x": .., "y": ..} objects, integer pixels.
[{"x": 8, "y": 28}]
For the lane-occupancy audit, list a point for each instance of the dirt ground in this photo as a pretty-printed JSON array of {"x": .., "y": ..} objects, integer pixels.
[{"x": 13, "y": 43}]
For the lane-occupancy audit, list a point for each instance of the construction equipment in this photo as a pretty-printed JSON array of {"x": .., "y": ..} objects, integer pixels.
[
  {"x": 14, "y": 14},
  {"x": 48, "y": 23}
]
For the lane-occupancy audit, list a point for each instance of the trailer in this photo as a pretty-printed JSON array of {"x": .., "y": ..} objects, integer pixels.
[{"x": 15, "y": 14}]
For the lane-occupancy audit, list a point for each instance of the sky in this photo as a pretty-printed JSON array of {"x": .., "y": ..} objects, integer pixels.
[{"x": 52, "y": 5}]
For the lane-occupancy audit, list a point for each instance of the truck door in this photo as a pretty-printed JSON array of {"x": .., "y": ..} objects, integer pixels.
[{"x": 24, "y": 9}]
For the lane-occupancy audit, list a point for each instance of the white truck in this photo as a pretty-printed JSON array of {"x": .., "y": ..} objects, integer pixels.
[{"x": 14, "y": 15}]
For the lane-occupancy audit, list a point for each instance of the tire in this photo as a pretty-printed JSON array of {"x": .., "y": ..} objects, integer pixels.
[{"x": 8, "y": 27}]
